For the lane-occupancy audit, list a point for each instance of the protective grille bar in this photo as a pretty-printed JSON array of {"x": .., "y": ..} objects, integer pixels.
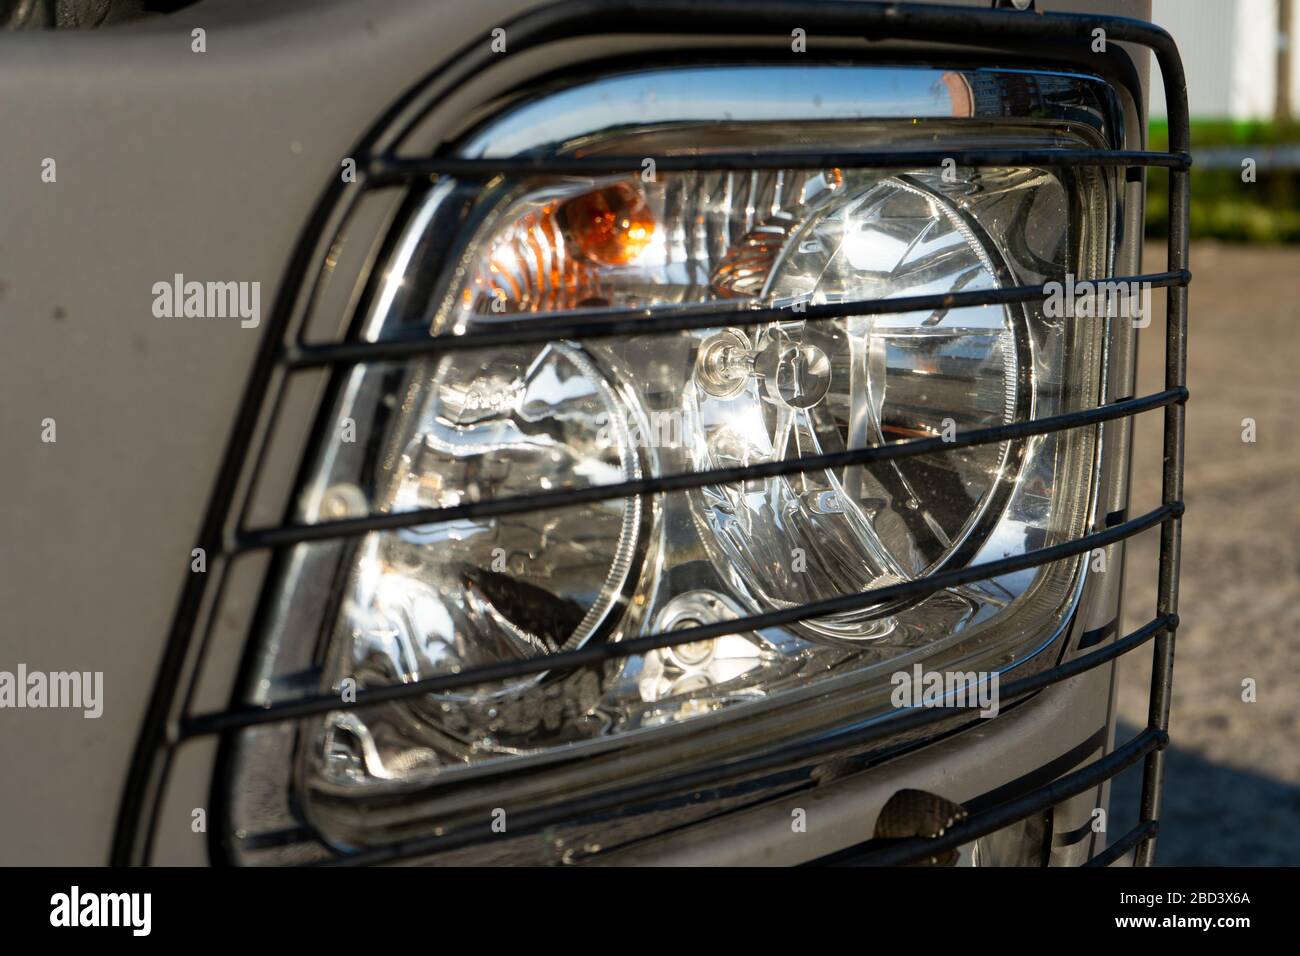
[
  {"x": 387, "y": 170},
  {"x": 170, "y": 720},
  {"x": 283, "y": 535},
  {"x": 594, "y": 654},
  {"x": 916, "y": 849},
  {"x": 531, "y": 821},
  {"x": 596, "y": 325},
  {"x": 1143, "y": 831}
]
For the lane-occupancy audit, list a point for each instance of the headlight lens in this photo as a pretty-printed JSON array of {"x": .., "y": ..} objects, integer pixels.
[
  {"x": 473, "y": 425},
  {"x": 825, "y": 386},
  {"x": 468, "y": 593}
]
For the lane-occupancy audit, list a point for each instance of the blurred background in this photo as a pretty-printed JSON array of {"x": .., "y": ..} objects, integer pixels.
[{"x": 1232, "y": 792}]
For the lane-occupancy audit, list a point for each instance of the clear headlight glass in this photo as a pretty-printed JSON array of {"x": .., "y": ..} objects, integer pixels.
[
  {"x": 804, "y": 388},
  {"x": 405, "y": 605}
]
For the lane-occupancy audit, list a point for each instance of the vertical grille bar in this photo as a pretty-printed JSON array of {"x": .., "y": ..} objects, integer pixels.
[{"x": 1162, "y": 670}]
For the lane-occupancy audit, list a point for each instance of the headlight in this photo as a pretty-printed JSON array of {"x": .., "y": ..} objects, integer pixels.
[{"x": 405, "y": 605}]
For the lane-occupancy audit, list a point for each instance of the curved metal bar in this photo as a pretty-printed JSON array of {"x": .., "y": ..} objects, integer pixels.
[
  {"x": 916, "y": 849},
  {"x": 1146, "y": 830},
  {"x": 285, "y": 535},
  {"x": 597, "y": 653},
  {"x": 612, "y": 323},
  {"x": 387, "y": 170},
  {"x": 532, "y": 820}
]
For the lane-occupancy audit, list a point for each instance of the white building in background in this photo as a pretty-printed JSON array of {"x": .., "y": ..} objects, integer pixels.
[{"x": 1229, "y": 50}]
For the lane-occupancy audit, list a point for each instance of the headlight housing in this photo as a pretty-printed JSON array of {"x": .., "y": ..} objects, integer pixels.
[{"x": 405, "y": 605}]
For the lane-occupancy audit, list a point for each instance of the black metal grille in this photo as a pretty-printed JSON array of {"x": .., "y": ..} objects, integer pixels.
[{"x": 170, "y": 720}]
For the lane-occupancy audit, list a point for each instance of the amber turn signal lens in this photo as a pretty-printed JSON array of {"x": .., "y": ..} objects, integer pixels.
[{"x": 610, "y": 226}]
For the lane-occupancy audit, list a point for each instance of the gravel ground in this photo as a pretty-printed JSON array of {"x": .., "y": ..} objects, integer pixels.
[{"x": 1232, "y": 792}]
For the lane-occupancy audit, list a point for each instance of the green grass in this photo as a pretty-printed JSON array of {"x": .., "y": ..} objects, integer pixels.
[
  {"x": 1211, "y": 132},
  {"x": 1224, "y": 207}
]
